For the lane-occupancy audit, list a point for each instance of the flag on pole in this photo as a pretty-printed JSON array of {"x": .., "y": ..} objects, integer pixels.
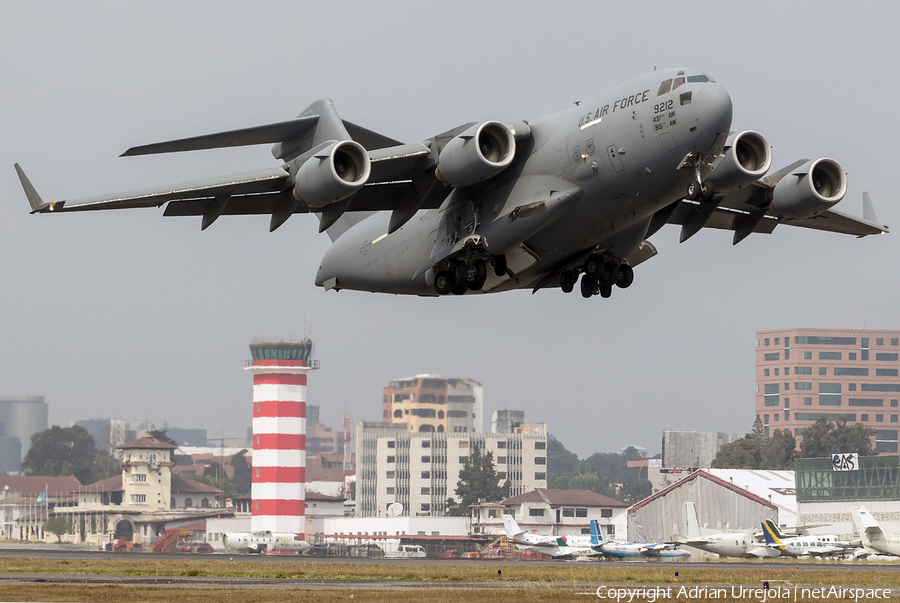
[{"x": 42, "y": 497}]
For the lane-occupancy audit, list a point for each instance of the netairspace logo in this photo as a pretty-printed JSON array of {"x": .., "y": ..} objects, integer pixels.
[{"x": 733, "y": 593}]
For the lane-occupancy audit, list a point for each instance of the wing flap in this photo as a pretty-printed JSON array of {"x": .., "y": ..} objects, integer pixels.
[
  {"x": 835, "y": 221},
  {"x": 271, "y": 180}
]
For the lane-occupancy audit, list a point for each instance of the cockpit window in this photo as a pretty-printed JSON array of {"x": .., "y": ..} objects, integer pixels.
[
  {"x": 664, "y": 87},
  {"x": 679, "y": 81},
  {"x": 709, "y": 78},
  {"x": 696, "y": 79},
  {"x": 686, "y": 98}
]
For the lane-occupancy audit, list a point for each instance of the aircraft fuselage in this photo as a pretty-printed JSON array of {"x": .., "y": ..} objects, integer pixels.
[{"x": 612, "y": 163}]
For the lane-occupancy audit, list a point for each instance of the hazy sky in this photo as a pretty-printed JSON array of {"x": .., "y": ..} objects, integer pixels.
[{"x": 130, "y": 313}]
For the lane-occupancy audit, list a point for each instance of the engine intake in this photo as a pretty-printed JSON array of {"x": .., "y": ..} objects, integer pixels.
[
  {"x": 332, "y": 174},
  {"x": 478, "y": 153},
  {"x": 747, "y": 159},
  {"x": 809, "y": 190}
]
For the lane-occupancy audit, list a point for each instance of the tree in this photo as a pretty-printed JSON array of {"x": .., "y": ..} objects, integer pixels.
[
  {"x": 824, "y": 438},
  {"x": 767, "y": 454},
  {"x": 559, "y": 459},
  {"x": 585, "y": 476},
  {"x": 59, "y": 525},
  {"x": 478, "y": 480},
  {"x": 758, "y": 430},
  {"x": 67, "y": 451},
  {"x": 243, "y": 476},
  {"x": 160, "y": 434}
]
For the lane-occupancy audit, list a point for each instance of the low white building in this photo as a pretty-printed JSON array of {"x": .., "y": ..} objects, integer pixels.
[{"x": 550, "y": 513}]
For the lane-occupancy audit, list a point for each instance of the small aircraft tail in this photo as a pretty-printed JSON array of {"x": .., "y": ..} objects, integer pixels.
[
  {"x": 870, "y": 531},
  {"x": 690, "y": 525},
  {"x": 34, "y": 199},
  {"x": 596, "y": 534},
  {"x": 772, "y": 534},
  {"x": 511, "y": 528}
]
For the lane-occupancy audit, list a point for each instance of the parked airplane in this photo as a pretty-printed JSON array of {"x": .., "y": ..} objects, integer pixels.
[
  {"x": 554, "y": 546},
  {"x": 262, "y": 542},
  {"x": 656, "y": 550},
  {"x": 737, "y": 543},
  {"x": 488, "y": 207},
  {"x": 809, "y": 544},
  {"x": 871, "y": 534}
]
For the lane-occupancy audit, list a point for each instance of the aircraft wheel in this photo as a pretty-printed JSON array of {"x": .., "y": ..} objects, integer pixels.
[
  {"x": 587, "y": 286},
  {"x": 626, "y": 276},
  {"x": 567, "y": 281},
  {"x": 706, "y": 192},
  {"x": 443, "y": 282},
  {"x": 460, "y": 272},
  {"x": 480, "y": 269},
  {"x": 500, "y": 265},
  {"x": 609, "y": 274},
  {"x": 605, "y": 291},
  {"x": 693, "y": 191},
  {"x": 593, "y": 267},
  {"x": 460, "y": 287}
]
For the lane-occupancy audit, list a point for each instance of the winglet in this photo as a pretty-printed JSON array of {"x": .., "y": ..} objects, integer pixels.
[
  {"x": 37, "y": 204},
  {"x": 869, "y": 209}
]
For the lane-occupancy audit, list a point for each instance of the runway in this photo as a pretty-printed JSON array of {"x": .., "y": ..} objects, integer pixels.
[{"x": 855, "y": 571}]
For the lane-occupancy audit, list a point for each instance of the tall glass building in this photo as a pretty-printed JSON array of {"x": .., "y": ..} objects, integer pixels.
[{"x": 802, "y": 374}]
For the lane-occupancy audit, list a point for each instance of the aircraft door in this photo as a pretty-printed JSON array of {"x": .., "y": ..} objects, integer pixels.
[{"x": 614, "y": 158}]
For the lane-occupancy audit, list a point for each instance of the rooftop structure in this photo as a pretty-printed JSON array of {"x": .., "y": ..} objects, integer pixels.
[{"x": 430, "y": 403}]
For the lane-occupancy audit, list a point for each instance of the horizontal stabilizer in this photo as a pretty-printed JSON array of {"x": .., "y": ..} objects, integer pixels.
[{"x": 270, "y": 133}]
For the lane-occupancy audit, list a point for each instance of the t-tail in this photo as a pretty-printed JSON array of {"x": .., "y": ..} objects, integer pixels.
[
  {"x": 870, "y": 531},
  {"x": 513, "y": 532},
  {"x": 596, "y": 535},
  {"x": 772, "y": 534},
  {"x": 690, "y": 525}
]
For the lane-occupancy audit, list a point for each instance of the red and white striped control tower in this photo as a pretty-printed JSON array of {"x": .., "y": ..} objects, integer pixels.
[{"x": 279, "y": 435}]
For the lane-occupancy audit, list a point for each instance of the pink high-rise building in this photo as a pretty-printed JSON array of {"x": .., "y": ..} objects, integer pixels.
[
  {"x": 279, "y": 433},
  {"x": 802, "y": 374}
]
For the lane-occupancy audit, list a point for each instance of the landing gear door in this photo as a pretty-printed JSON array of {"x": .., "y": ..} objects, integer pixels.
[{"x": 613, "y": 153}]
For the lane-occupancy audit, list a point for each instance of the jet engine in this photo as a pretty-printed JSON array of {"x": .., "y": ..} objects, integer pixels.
[
  {"x": 747, "y": 158},
  {"x": 334, "y": 173},
  {"x": 810, "y": 189},
  {"x": 478, "y": 153}
]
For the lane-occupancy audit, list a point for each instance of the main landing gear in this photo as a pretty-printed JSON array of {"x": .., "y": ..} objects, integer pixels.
[
  {"x": 601, "y": 274},
  {"x": 461, "y": 275}
]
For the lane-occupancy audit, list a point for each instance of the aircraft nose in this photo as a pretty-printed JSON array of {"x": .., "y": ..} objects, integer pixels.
[{"x": 713, "y": 106}]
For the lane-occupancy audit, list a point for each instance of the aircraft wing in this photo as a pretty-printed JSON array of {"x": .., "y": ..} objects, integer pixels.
[
  {"x": 250, "y": 186},
  {"x": 749, "y": 209}
]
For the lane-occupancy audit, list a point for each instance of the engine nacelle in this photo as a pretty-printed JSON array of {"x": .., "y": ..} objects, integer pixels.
[
  {"x": 747, "y": 159},
  {"x": 810, "y": 189},
  {"x": 332, "y": 174},
  {"x": 478, "y": 153}
]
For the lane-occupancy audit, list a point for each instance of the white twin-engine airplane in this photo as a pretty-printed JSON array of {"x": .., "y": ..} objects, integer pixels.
[
  {"x": 490, "y": 207},
  {"x": 263, "y": 542},
  {"x": 554, "y": 546}
]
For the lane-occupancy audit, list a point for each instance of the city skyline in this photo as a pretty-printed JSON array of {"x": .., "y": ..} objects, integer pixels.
[{"x": 134, "y": 313}]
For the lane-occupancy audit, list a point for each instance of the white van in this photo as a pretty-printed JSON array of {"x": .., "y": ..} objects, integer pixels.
[{"x": 410, "y": 551}]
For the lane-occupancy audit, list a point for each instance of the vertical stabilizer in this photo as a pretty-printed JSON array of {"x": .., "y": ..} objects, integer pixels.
[
  {"x": 596, "y": 534},
  {"x": 329, "y": 126},
  {"x": 869, "y": 529},
  {"x": 771, "y": 534},
  {"x": 690, "y": 525},
  {"x": 511, "y": 528}
]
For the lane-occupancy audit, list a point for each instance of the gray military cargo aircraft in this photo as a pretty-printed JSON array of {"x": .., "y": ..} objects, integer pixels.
[{"x": 489, "y": 207}]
